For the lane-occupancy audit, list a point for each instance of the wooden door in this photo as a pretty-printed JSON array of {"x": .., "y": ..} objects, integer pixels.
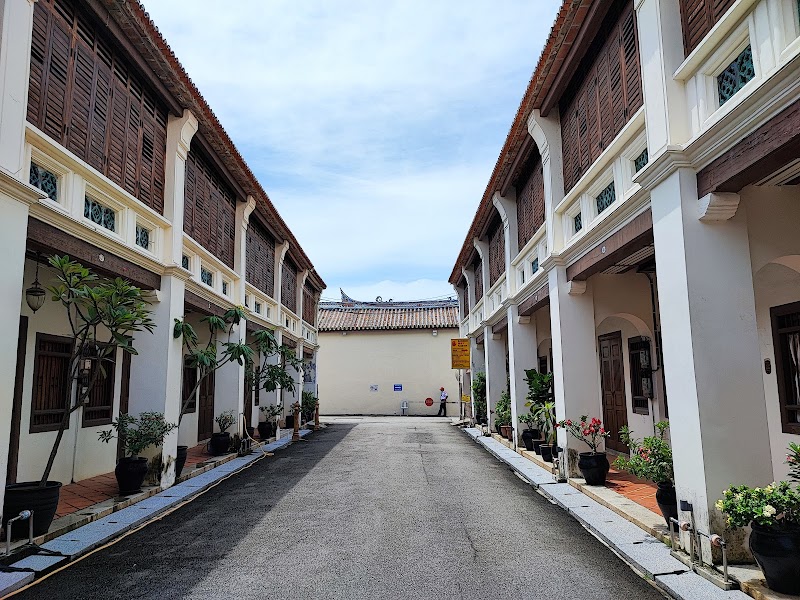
[
  {"x": 205, "y": 416},
  {"x": 124, "y": 394},
  {"x": 248, "y": 402},
  {"x": 612, "y": 376},
  {"x": 16, "y": 407}
]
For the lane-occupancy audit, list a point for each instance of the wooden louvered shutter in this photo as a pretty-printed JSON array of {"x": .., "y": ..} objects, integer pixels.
[
  {"x": 630, "y": 62},
  {"x": 189, "y": 192},
  {"x": 55, "y": 82},
  {"x": 82, "y": 77},
  {"x": 119, "y": 130},
  {"x": 39, "y": 44},
  {"x": 133, "y": 142},
  {"x": 616, "y": 91},
  {"x": 698, "y": 17},
  {"x": 100, "y": 126},
  {"x": 537, "y": 196},
  {"x": 478, "y": 280}
]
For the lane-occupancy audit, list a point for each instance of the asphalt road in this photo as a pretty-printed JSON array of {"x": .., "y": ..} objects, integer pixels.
[{"x": 367, "y": 508}]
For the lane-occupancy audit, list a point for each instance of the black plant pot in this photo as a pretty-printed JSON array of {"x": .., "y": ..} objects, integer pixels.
[
  {"x": 130, "y": 474},
  {"x": 537, "y": 446},
  {"x": 667, "y": 501},
  {"x": 263, "y": 430},
  {"x": 251, "y": 431},
  {"x": 594, "y": 467},
  {"x": 219, "y": 443},
  {"x": 528, "y": 436},
  {"x": 273, "y": 429},
  {"x": 43, "y": 501},
  {"x": 180, "y": 460},
  {"x": 546, "y": 450},
  {"x": 777, "y": 552}
]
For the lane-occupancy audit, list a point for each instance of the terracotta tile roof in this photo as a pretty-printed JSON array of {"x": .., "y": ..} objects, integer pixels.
[
  {"x": 562, "y": 35},
  {"x": 135, "y": 22},
  {"x": 352, "y": 315}
]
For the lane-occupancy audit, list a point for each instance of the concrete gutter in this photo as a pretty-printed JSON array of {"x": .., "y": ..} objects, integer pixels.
[
  {"x": 643, "y": 552},
  {"x": 69, "y": 546}
]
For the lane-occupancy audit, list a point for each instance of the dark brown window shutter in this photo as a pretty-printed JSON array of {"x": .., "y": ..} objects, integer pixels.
[
  {"x": 497, "y": 249},
  {"x": 310, "y": 300},
  {"x": 697, "y": 19},
  {"x": 52, "y": 383},
  {"x": 260, "y": 258},
  {"x": 289, "y": 285},
  {"x": 100, "y": 408},
  {"x": 530, "y": 203},
  {"x": 478, "y": 266}
]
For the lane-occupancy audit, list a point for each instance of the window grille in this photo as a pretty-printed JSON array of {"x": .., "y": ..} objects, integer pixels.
[
  {"x": 100, "y": 406},
  {"x": 225, "y": 288},
  {"x": 185, "y": 261},
  {"x": 640, "y": 161},
  {"x": 45, "y": 180},
  {"x": 605, "y": 198},
  {"x": 258, "y": 307},
  {"x": 206, "y": 277},
  {"x": 52, "y": 383},
  {"x": 735, "y": 75},
  {"x": 142, "y": 237},
  {"x": 577, "y": 221},
  {"x": 535, "y": 265},
  {"x": 99, "y": 214},
  {"x": 641, "y": 374}
]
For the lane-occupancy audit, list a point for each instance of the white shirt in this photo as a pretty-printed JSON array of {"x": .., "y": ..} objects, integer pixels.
[{"x": 443, "y": 397}]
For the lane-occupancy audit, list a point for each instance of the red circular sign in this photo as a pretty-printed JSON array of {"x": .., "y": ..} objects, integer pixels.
[{"x": 428, "y": 401}]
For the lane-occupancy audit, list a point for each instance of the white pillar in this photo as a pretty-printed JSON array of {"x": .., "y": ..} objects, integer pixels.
[
  {"x": 496, "y": 379},
  {"x": 180, "y": 131},
  {"x": 710, "y": 342},
  {"x": 546, "y": 132},
  {"x": 469, "y": 275},
  {"x": 16, "y": 27},
  {"x": 229, "y": 384},
  {"x": 522, "y": 347},
  {"x": 661, "y": 52},
  {"x": 157, "y": 368},
  {"x": 576, "y": 370}
]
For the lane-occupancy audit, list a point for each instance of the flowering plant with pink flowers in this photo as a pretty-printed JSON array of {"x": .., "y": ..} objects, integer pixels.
[
  {"x": 650, "y": 458},
  {"x": 591, "y": 431}
]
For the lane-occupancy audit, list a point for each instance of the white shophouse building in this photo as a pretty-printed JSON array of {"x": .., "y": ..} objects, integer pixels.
[
  {"x": 108, "y": 153},
  {"x": 638, "y": 235}
]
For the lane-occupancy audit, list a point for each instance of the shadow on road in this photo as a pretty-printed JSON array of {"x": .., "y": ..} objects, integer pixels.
[{"x": 168, "y": 557}]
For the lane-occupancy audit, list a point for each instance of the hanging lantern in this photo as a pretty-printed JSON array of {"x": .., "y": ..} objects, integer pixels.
[{"x": 35, "y": 295}]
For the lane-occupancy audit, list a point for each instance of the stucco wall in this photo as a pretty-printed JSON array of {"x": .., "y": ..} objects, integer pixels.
[{"x": 347, "y": 365}]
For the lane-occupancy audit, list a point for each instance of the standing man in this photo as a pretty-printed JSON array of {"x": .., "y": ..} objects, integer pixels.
[{"x": 442, "y": 404}]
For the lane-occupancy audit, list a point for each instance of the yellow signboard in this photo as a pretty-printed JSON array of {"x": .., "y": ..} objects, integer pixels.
[
  {"x": 465, "y": 398},
  {"x": 459, "y": 353}
]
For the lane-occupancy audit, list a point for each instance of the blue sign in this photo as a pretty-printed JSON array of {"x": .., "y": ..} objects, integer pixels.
[{"x": 398, "y": 387}]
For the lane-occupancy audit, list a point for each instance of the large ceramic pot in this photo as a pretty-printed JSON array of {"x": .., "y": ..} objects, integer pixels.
[
  {"x": 667, "y": 501},
  {"x": 263, "y": 430},
  {"x": 504, "y": 431},
  {"x": 546, "y": 450},
  {"x": 537, "y": 446},
  {"x": 130, "y": 474},
  {"x": 777, "y": 552},
  {"x": 528, "y": 436},
  {"x": 289, "y": 421},
  {"x": 43, "y": 501},
  {"x": 180, "y": 460},
  {"x": 219, "y": 443},
  {"x": 594, "y": 467}
]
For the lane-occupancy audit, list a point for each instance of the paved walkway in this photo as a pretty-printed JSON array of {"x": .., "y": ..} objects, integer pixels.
[
  {"x": 639, "y": 490},
  {"x": 367, "y": 508}
]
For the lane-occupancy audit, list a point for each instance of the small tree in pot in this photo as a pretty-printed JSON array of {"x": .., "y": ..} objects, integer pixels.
[
  {"x": 271, "y": 413},
  {"x": 593, "y": 464},
  {"x": 651, "y": 458},
  {"x": 309, "y": 406},
  {"x": 221, "y": 440},
  {"x": 502, "y": 415},
  {"x": 479, "y": 397},
  {"x": 136, "y": 435},
  {"x": 103, "y": 315},
  {"x": 540, "y": 390},
  {"x": 545, "y": 415}
]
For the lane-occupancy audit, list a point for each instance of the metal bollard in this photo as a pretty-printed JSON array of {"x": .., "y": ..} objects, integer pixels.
[
  {"x": 694, "y": 534},
  {"x": 25, "y": 514},
  {"x": 296, "y": 432},
  {"x": 316, "y": 417}
]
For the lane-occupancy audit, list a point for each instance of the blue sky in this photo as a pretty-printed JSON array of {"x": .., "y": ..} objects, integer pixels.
[{"x": 372, "y": 124}]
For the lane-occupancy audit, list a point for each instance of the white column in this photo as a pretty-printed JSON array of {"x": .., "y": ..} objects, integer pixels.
[
  {"x": 469, "y": 274},
  {"x": 477, "y": 365},
  {"x": 16, "y": 26},
  {"x": 157, "y": 368},
  {"x": 496, "y": 379},
  {"x": 180, "y": 131},
  {"x": 483, "y": 251},
  {"x": 522, "y": 346},
  {"x": 576, "y": 370},
  {"x": 15, "y": 198},
  {"x": 229, "y": 384},
  {"x": 546, "y": 132},
  {"x": 710, "y": 342},
  {"x": 661, "y": 52}
]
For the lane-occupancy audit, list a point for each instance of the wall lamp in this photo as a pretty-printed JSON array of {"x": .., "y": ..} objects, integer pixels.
[{"x": 35, "y": 295}]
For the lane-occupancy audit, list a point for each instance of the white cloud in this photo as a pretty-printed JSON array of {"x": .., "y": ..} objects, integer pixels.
[{"x": 374, "y": 126}]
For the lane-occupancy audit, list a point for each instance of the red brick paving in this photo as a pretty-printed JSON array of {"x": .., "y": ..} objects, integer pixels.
[{"x": 638, "y": 490}]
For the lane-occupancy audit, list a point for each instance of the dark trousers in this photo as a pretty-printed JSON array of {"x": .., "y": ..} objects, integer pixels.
[{"x": 442, "y": 409}]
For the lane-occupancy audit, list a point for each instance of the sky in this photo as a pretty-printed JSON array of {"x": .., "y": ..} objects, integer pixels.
[{"x": 373, "y": 125}]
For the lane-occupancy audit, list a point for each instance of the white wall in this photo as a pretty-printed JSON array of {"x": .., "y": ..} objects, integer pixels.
[{"x": 347, "y": 365}]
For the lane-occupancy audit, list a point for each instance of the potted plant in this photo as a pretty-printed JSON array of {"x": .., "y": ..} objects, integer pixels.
[
  {"x": 309, "y": 406},
  {"x": 593, "y": 464},
  {"x": 221, "y": 440},
  {"x": 545, "y": 415},
  {"x": 530, "y": 435},
  {"x": 502, "y": 415},
  {"x": 479, "y": 397},
  {"x": 651, "y": 459},
  {"x": 135, "y": 435},
  {"x": 268, "y": 427},
  {"x": 103, "y": 315},
  {"x": 773, "y": 513}
]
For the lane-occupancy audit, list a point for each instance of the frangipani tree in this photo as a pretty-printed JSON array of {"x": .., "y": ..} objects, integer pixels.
[
  {"x": 103, "y": 315},
  {"x": 222, "y": 349}
]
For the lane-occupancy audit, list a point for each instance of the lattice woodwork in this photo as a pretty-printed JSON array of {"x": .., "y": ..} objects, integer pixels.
[
  {"x": 497, "y": 252},
  {"x": 289, "y": 285},
  {"x": 530, "y": 202},
  {"x": 604, "y": 94},
  {"x": 209, "y": 213},
  {"x": 260, "y": 257},
  {"x": 84, "y": 96}
]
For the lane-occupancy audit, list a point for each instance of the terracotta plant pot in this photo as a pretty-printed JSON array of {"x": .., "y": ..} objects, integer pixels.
[
  {"x": 777, "y": 552},
  {"x": 594, "y": 467}
]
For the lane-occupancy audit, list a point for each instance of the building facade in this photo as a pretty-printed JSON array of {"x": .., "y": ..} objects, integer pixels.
[
  {"x": 636, "y": 237},
  {"x": 380, "y": 357},
  {"x": 109, "y": 154}
]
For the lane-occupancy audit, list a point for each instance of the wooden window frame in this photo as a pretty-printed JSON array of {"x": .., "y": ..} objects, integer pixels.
[
  {"x": 36, "y": 427},
  {"x": 109, "y": 383},
  {"x": 193, "y": 404},
  {"x": 783, "y": 396},
  {"x": 640, "y": 404}
]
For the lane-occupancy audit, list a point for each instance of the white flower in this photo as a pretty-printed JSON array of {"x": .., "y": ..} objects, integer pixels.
[{"x": 769, "y": 510}]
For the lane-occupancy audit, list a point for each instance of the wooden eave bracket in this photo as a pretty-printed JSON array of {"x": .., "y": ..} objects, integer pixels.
[{"x": 718, "y": 206}]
